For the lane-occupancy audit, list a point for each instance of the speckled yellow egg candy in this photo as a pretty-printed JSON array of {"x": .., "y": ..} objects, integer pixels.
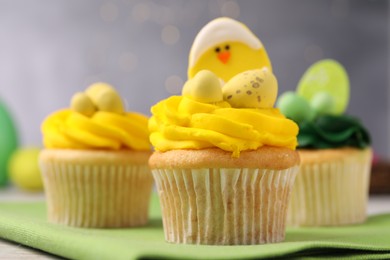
[{"x": 252, "y": 89}]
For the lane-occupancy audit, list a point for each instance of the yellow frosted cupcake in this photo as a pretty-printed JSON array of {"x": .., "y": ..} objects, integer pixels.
[
  {"x": 331, "y": 188},
  {"x": 225, "y": 161},
  {"x": 94, "y": 164}
]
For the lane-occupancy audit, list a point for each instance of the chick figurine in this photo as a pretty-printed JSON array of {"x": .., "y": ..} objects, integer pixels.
[
  {"x": 97, "y": 97},
  {"x": 226, "y": 47},
  {"x": 205, "y": 87},
  {"x": 252, "y": 89}
]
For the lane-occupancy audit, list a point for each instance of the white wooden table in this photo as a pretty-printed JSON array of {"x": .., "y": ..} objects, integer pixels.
[{"x": 8, "y": 250}]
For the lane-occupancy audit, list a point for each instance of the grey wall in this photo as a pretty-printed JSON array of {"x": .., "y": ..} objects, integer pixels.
[{"x": 50, "y": 49}]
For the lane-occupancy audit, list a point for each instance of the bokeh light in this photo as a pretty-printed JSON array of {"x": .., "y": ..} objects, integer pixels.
[
  {"x": 174, "y": 84},
  {"x": 170, "y": 34},
  {"x": 141, "y": 12},
  {"x": 163, "y": 15}
]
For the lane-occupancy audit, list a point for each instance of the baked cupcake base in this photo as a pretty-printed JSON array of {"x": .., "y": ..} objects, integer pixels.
[
  {"x": 100, "y": 189},
  {"x": 204, "y": 203},
  {"x": 331, "y": 187}
]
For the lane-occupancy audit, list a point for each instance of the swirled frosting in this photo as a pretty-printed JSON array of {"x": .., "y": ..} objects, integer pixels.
[
  {"x": 179, "y": 122},
  {"x": 329, "y": 131},
  {"x": 104, "y": 130},
  {"x": 96, "y": 120}
]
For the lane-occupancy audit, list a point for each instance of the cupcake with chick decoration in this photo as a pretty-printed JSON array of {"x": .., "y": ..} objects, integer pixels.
[
  {"x": 224, "y": 161},
  {"x": 331, "y": 188},
  {"x": 95, "y": 162}
]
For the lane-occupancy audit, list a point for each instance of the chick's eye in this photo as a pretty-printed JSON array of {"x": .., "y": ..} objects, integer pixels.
[
  {"x": 227, "y": 47},
  {"x": 217, "y": 49}
]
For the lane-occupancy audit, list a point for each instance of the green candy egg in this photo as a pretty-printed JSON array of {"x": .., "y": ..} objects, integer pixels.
[
  {"x": 323, "y": 103},
  {"x": 294, "y": 107},
  {"x": 8, "y": 141},
  {"x": 330, "y": 77}
]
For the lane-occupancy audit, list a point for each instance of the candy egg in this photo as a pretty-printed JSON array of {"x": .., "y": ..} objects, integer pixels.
[
  {"x": 322, "y": 103},
  {"x": 204, "y": 87},
  {"x": 295, "y": 107},
  {"x": 186, "y": 90},
  {"x": 105, "y": 98},
  {"x": 24, "y": 169},
  {"x": 252, "y": 89},
  {"x": 81, "y": 103},
  {"x": 326, "y": 76}
]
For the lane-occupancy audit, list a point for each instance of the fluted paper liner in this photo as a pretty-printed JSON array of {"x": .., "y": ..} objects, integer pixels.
[
  {"x": 224, "y": 206},
  {"x": 331, "y": 193},
  {"x": 99, "y": 196}
]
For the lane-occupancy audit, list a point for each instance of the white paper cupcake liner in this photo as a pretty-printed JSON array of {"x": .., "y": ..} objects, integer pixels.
[
  {"x": 331, "y": 193},
  {"x": 224, "y": 206},
  {"x": 100, "y": 196}
]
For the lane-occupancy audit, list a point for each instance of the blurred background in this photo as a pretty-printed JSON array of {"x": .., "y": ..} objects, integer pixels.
[{"x": 50, "y": 49}]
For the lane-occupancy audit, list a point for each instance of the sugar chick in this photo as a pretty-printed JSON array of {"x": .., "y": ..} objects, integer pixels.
[{"x": 226, "y": 47}]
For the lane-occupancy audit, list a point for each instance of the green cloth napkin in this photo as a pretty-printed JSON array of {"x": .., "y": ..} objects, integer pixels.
[{"x": 25, "y": 223}]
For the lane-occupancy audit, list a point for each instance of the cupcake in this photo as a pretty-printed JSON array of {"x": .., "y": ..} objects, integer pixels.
[
  {"x": 331, "y": 187},
  {"x": 95, "y": 162},
  {"x": 224, "y": 161}
]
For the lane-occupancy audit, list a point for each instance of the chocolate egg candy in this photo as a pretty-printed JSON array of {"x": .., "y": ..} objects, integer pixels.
[{"x": 252, "y": 89}]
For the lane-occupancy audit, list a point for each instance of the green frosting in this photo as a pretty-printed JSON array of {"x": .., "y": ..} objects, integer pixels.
[{"x": 330, "y": 131}]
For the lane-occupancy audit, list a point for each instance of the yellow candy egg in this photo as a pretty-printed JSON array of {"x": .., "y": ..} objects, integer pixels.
[
  {"x": 186, "y": 91},
  {"x": 83, "y": 104},
  {"x": 252, "y": 89},
  {"x": 95, "y": 89},
  {"x": 204, "y": 87},
  {"x": 105, "y": 98},
  {"x": 24, "y": 169}
]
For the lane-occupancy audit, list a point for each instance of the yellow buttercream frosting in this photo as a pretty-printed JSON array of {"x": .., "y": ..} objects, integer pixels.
[
  {"x": 68, "y": 129},
  {"x": 180, "y": 122},
  {"x": 96, "y": 121}
]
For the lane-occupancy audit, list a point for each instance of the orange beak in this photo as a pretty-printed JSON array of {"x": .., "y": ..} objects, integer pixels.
[{"x": 224, "y": 56}]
